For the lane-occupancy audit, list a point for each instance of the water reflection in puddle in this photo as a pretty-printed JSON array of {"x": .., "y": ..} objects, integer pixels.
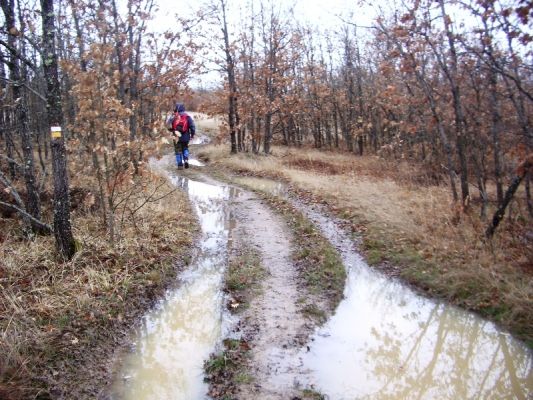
[
  {"x": 386, "y": 342},
  {"x": 179, "y": 334}
]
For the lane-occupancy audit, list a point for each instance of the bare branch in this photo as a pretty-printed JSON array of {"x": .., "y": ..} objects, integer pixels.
[
  {"x": 8, "y": 159},
  {"x": 23, "y": 83},
  {"x": 17, "y": 54},
  {"x": 7, "y": 183},
  {"x": 151, "y": 199},
  {"x": 41, "y": 225}
]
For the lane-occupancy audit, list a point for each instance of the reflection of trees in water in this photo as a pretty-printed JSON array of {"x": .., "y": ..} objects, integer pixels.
[
  {"x": 210, "y": 202},
  {"x": 453, "y": 355},
  {"x": 206, "y": 203}
]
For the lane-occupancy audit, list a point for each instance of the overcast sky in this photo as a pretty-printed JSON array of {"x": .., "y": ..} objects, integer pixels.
[{"x": 316, "y": 12}]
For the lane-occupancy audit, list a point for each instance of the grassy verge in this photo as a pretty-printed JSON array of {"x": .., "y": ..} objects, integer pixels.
[
  {"x": 316, "y": 259},
  {"x": 242, "y": 278},
  {"x": 408, "y": 227},
  {"x": 58, "y": 319},
  {"x": 226, "y": 369}
]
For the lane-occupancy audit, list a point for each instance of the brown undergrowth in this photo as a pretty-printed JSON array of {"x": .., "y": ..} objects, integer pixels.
[
  {"x": 57, "y": 319},
  {"x": 408, "y": 227}
]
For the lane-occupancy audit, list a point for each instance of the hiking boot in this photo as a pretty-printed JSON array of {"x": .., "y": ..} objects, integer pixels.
[
  {"x": 186, "y": 164},
  {"x": 180, "y": 166}
]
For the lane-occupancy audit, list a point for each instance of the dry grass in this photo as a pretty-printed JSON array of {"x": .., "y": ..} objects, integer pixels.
[
  {"x": 407, "y": 220},
  {"x": 54, "y": 316},
  {"x": 206, "y": 124},
  {"x": 242, "y": 278}
]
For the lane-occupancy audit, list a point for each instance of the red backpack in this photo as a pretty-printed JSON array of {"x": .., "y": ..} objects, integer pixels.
[{"x": 181, "y": 123}]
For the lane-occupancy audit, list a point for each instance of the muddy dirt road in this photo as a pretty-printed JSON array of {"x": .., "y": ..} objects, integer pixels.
[
  {"x": 382, "y": 342},
  {"x": 273, "y": 324}
]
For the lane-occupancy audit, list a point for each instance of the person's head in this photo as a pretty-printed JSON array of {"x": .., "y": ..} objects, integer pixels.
[{"x": 179, "y": 107}]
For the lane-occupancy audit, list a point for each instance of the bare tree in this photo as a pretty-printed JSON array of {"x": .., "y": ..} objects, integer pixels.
[
  {"x": 232, "y": 83},
  {"x": 32, "y": 204},
  {"x": 62, "y": 230}
]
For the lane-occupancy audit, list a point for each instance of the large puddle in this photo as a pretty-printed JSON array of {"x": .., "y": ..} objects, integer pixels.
[
  {"x": 386, "y": 342},
  {"x": 177, "y": 336}
]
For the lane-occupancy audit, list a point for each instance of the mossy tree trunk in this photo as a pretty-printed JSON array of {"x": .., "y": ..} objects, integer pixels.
[{"x": 62, "y": 228}]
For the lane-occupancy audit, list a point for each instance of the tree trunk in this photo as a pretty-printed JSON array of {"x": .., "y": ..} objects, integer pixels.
[
  {"x": 119, "y": 47},
  {"x": 62, "y": 230},
  {"x": 336, "y": 126},
  {"x": 10, "y": 146},
  {"x": 460, "y": 123},
  {"x": 6, "y": 117},
  {"x": 528, "y": 195},
  {"x": 360, "y": 137},
  {"x": 268, "y": 133},
  {"x": 230, "y": 68},
  {"x": 494, "y": 104},
  {"x": 33, "y": 205},
  {"x": 495, "y": 130},
  {"x": 479, "y": 171},
  {"x": 521, "y": 172}
]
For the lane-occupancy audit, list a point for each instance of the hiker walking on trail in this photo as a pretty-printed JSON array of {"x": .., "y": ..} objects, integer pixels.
[{"x": 183, "y": 130}]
